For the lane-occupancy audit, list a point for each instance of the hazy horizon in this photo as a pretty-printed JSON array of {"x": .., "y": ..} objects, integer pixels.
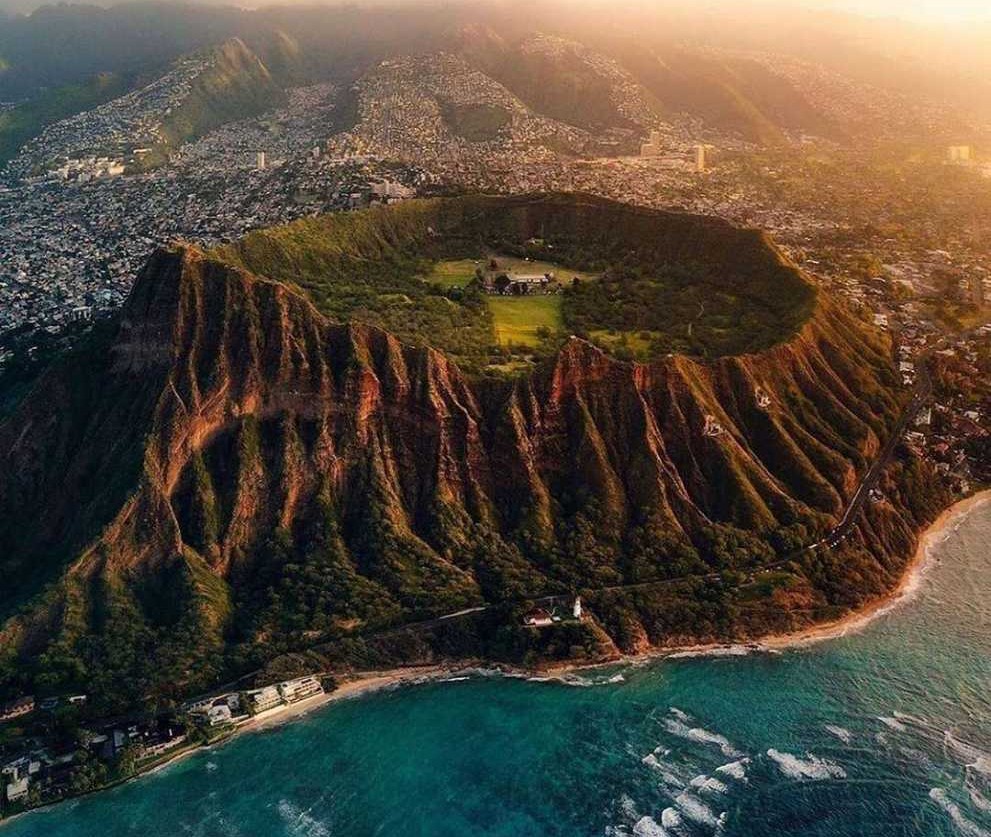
[{"x": 924, "y": 11}]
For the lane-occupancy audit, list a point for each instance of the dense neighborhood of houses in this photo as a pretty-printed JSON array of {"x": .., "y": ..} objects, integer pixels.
[{"x": 40, "y": 771}]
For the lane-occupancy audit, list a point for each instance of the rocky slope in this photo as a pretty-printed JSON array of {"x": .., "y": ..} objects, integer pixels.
[{"x": 225, "y": 476}]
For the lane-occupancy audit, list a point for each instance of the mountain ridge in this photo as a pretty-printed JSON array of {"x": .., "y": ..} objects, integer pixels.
[{"x": 284, "y": 482}]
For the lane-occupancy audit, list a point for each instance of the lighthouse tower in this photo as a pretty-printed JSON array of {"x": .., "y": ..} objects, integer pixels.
[{"x": 576, "y": 611}]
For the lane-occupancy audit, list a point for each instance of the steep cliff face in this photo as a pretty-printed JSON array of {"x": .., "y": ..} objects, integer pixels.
[{"x": 227, "y": 476}]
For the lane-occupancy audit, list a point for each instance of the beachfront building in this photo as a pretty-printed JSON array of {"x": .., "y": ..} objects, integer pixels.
[
  {"x": 162, "y": 745},
  {"x": 215, "y": 715},
  {"x": 261, "y": 700},
  {"x": 17, "y": 776},
  {"x": 293, "y": 691},
  {"x": 231, "y": 700}
]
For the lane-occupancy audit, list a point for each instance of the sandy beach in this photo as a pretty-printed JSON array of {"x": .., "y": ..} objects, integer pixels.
[
  {"x": 361, "y": 684},
  {"x": 908, "y": 587}
]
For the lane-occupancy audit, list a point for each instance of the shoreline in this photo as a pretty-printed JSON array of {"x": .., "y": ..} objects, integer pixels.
[
  {"x": 904, "y": 592},
  {"x": 366, "y": 683}
]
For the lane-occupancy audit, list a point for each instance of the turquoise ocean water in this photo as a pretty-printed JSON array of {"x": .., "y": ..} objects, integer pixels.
[{"x": 885, "y": 732}]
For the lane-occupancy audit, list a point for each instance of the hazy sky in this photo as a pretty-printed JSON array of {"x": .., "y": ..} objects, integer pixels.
[
  {"x": 929, "y": 10},
  {"x": 944, "y": 11}
]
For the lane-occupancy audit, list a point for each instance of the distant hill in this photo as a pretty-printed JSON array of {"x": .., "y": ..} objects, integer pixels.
[
  {"x": 66, "y": 44},
  {"x": 736, "y": 96},
  {"x": 53, "y": 62},
  {"x": 26, "y": 121},
  {"x": 574, "y": 83},
  {"x": 237, "y": 85},
  {"x": 552, "y": 78}
]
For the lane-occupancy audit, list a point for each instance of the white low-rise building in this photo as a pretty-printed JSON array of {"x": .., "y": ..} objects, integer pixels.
[
  {"x": 299, "y": 689},
  {"x": 261, "y": 700}
]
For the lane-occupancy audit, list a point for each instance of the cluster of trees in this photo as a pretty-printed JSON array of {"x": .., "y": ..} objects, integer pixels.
[{"x": 681, "y": 308}]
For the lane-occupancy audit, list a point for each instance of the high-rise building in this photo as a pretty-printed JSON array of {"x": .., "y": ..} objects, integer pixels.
[
  {"x": 260, "y": 161},
  {"x": 700, "y": 158},
  {"x": 958, "y": 154},
  {"x": 654, "y": 147}
]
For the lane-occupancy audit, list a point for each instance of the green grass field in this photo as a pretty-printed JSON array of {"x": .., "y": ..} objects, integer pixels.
[
  {"x": 517, "y": 318},
  {"x": 637, "y": 342},
  {"x": 449, "y": 274}
]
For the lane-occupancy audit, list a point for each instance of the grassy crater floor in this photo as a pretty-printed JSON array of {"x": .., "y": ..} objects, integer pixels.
[{"x": 640, "y": 284}]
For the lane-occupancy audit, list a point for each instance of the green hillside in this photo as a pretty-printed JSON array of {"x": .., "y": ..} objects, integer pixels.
[
  {"x": 370, "y": 266},
  {"x": 22, "y": 123},
  {"x": 237, "y": 86}
]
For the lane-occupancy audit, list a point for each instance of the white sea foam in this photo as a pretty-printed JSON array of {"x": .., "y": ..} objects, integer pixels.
[
  {"x": 584, "y": 682},
  {"x": 681, "y": 716},
  {"x": 703, "y": 736},
  {"x": 628, "y": 808},
  {"x": 696, "y": 810},
  {"x": 892, "y": 723},
  {"x": 720, "y": 651},
  {"x": 735, "y": 769},
  {"x": 843, "y": 734},
  {"x": 647, "y": 827},
  {"x": 211, "y": 766},
  {"x": 964, "y": 825},
  {"x": 670, "y": 818},
  {"x": 301, "y": 822},
  {"x": 668, "y": 777},
  {"x": 708, "y": 784},
  {"x": 975, "y": 758},
  {"x": 912, "y": 719},
  {"x": 981, "y": 802},
  {"x": 811, "y": 767}
]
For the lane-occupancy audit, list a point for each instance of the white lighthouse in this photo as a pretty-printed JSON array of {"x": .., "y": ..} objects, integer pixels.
[{"x": 576, "y": 611}]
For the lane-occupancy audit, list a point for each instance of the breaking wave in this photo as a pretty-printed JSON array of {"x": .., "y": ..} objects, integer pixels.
[
  {"x": 975, "y": 758},
  {"x": 668, "y": 776},
  {"x": 965, "y": 826},
  {"x": 647, "y": 827},
  {"x": 811, "y": 767},
  {"x": 708, "y": 784},
  {"x": 843, "y": 734},
  {"x": 301, "y": 822},
  {"x": 680, "y": 729},
  {"x": 735, "y": 769},
  {"x": 697, "y": 811}
]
